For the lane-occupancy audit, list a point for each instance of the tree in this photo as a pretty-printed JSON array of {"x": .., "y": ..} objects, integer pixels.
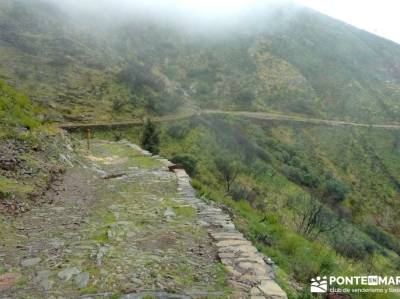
[
  {"x": 334, "y": 190},
  {"x": 228, "y": 170},
  {"x": 187, "y": 161},
  {"x": 150, "y": 138},
  {"x": 311, "y": 217}
]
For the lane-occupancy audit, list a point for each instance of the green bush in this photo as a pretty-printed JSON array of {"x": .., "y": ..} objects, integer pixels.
[
  {"x": 300, "y": 176},
  {"x": 150, "y": 138},
  {"x": 241, "y": 192},
  {"x": 177, "y": 131},
  {"x": 291, "y": 251},
  {"x": 335, "y": 190},
  {"x": 383, "y": 238},
  {"x": 352, "y": 244},
  {"x": 228, "y": 169},
  {"x": 187, "y": 161}
]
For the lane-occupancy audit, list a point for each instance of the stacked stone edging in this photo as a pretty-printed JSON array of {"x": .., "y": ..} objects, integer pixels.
[{"x": 248, "y": 274}]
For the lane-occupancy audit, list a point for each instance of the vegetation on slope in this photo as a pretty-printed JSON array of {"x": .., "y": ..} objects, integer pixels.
[
  {"x": 297, "y": 191},
  {"x": 329, "y": 193},
  {"x": 289, "y": 59},
  {"x": 29, "y": 152},
  {"x": 16, "y": 110}
]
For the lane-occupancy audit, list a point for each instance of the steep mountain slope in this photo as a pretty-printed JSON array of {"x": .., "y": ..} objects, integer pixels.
[
  {"x": 286, "y": 58},
  {"x": 348, "y": 178},
  {"x": 41, "y": 54},
  {"x": 86, "y": 66}
]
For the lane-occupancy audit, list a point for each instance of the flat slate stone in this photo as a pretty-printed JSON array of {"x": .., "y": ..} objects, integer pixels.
[
  {"x": 67, "y": 274},
  {"x": 82, "y": 280},
  {"x": 243, "y": 249},
  {"x": 232, "y": 243},
  {"x": 30, "y": 262},
  {"x": 227, "y": 236},
  {"x": 271, "y": 289}
]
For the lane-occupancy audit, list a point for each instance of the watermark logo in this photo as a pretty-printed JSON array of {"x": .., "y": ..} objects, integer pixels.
[
  {"x": 373, "y": 280},
  {"x": 319, "y": 284},
  {"x": 355, "y": 284}
]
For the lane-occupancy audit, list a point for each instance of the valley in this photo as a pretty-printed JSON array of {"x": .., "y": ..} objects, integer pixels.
[{"x": 286, "y": 120}]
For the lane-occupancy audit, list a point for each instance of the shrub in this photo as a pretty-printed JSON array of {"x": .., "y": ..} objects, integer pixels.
[
  {"x": 300, "y": 176},
  {"x": 382, "y": 238},
  {"x": 187, "y": 161},
  {"x": 177, "y": 131},
  {"x": 335, "y": 190},
  {"x": 150, "y": 138},
  {"x": 263, "y": 155},
  {"x": 239, "y": 192},
  {"x": 228, "y": 170},
  {"x": 311, "y": 217},
  {"x": 352, "y": 244}
]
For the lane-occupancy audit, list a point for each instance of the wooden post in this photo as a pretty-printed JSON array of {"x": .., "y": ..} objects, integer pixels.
[{"x": 88, "y": 138}]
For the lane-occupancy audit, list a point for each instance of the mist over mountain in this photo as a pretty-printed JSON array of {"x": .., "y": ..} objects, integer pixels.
[
  {"x": 282, "y": 57},
  {"x": 319, "y": 197}
]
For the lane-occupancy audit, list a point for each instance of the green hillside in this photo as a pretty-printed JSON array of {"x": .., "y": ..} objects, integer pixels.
[
  {"x": 317, "y": 199},
  {"x": 291, "y": 60},
  {"x": 348, "y": 177}
]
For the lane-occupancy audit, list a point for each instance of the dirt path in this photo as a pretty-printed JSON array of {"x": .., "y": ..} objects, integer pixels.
[
  {"x": 300, "y": 119},
  {"x": 250, "y": 115},
  {"x": 117, "y": 225},
  {"x": 132, "y": 122}
]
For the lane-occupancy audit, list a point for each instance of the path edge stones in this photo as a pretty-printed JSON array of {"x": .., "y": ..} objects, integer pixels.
[{"x": 249, "y": 275}]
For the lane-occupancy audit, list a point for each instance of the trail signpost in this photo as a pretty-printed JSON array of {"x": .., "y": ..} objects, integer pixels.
[{"x": 88, "y": 135}]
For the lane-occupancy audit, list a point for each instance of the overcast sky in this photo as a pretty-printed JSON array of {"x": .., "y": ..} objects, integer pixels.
[{"x": 377, "y": 16}]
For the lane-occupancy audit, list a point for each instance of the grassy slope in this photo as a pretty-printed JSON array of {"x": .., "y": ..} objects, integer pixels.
[
  {"x": 264, "y": 197},
  {"x": 42, "y": 54},
  {"x": 29, "y": 152},
  {"x": 298, "y": 62},
  {"x": 371, "y": 202},
  {"x": 291, "y": 60},
  {"x": 348, "y": 68}
]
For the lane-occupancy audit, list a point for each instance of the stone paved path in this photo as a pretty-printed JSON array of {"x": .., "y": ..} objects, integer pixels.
[
  {"x": 122, "y": 226},
  {"x": 248, "y": 274}
]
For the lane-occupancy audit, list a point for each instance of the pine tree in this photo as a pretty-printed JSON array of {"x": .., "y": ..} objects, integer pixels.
[{"x": 150, "y": 138}]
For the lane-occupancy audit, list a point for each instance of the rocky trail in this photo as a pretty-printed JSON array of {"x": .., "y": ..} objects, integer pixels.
[
  {"x": 256, "y": 116},
  {"x": 120, "y": 225},
  {"x": 284, "y": 118}
]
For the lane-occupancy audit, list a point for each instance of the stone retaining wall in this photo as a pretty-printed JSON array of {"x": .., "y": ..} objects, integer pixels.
[{"x": 248, "y": 273}]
